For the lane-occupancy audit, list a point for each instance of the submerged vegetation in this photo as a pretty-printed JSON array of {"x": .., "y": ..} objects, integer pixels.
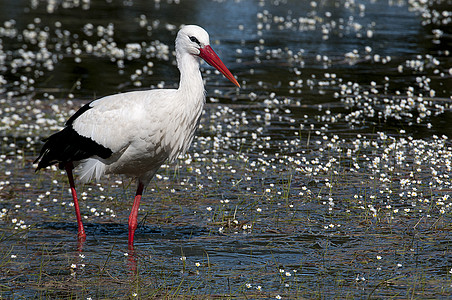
[{"x": 326, "y": 176}]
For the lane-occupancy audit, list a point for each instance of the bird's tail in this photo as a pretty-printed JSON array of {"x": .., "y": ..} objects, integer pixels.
[{"x": 90, "y": 168}]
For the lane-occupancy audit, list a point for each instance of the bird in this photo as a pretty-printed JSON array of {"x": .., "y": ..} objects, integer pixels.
[{"x": 134, "y": 133}]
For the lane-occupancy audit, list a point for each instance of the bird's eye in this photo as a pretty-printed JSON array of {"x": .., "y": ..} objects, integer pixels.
[{"x": 194, "y": 40}]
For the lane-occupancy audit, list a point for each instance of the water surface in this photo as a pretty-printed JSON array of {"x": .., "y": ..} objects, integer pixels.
[{"x": 327, "y": 175}]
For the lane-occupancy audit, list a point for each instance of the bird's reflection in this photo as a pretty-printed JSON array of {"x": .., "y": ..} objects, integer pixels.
[{"x": 132, "y": 261}]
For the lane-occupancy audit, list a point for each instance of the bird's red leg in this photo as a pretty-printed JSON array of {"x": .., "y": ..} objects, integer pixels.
[
  {"x": 134, "y": 214},
  {"x": 81, "y": 231}
]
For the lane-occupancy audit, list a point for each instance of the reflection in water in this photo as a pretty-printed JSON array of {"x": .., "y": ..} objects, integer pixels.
[{"x": 132, "y": 262}]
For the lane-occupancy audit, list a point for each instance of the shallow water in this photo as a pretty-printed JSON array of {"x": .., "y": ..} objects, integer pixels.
[{"x": 327, "y": 175}]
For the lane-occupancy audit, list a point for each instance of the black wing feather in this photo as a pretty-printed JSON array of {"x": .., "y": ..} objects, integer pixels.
[
  {"x": 78, "y": 113},
  {"x": 68, "y": 145}
]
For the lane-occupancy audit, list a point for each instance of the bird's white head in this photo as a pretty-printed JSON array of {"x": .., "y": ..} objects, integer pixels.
[
  {"x": 191, "y": 39},
  {"x": 194, "y": 40}
]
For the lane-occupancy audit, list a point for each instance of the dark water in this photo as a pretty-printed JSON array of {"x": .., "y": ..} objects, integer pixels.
[{"x": 327, "y": 175}]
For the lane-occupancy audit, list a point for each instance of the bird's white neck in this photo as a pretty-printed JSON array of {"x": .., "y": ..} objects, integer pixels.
[{"x": 191, "y": 83}]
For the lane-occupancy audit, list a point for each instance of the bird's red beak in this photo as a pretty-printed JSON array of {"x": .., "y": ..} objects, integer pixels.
[{"x": 212, "y": 59}]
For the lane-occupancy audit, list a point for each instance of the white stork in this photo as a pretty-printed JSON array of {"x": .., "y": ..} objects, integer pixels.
[{"x": 134, "y": 133}]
